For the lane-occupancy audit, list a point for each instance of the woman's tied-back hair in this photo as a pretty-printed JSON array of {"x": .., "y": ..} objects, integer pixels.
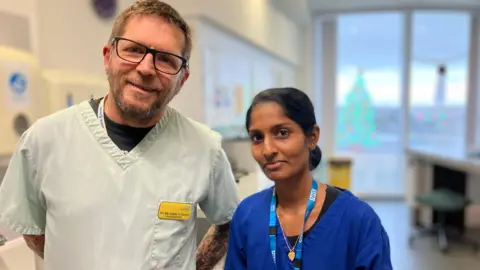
[
  {"x": 158, "y": 8},
  {"x": 296, "y": 106}
]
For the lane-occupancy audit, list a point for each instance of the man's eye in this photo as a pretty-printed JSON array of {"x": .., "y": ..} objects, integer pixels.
[{"x": 134, "y": 50}]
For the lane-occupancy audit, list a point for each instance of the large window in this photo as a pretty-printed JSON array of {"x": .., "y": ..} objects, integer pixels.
[
  {"x": 438, "y": 90},
  {"x": 388, "y": 82},
  {"x": 379, "y": 64},
  {"x": 369, "y": 99}
]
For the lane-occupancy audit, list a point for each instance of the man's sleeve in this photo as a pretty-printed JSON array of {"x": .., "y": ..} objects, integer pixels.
[
  {"x": 22, "y": 208},
  {"x": 222, "y": 197}
]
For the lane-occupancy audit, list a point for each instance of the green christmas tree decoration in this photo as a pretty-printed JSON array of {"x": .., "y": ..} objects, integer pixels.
[{"x": 356, "y": 120}]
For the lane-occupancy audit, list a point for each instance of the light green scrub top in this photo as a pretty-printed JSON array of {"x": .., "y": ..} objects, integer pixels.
[{"x": 99, "y": 206}]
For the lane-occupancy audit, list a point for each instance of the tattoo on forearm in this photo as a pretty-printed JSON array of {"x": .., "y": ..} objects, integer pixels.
[
  {"x": 36, "y": 243},
  {"x": 213, "y": 247}
]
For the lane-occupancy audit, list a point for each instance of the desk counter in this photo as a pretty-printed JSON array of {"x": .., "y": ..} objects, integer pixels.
[
  {"x": 452, "y": 159},
  {"x": 431, "y": 168}
]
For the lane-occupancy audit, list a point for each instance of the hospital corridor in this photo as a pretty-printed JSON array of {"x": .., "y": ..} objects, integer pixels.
[{"x": 395, "y": 89}]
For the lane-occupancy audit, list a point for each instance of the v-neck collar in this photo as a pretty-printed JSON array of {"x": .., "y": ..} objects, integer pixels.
[
  {"x": 319, "y": 230},
  {"x": 322, "y": 227},
  {"x": 122, "y": 158}
]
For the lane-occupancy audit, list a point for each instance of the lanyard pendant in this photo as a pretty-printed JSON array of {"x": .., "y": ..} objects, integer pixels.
[{"x": 291, "y": 255}]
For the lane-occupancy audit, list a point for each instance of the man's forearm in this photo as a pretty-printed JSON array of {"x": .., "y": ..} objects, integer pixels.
[
  {"x": 35, "y": 243},
  {"x": 213, "y": 247}
]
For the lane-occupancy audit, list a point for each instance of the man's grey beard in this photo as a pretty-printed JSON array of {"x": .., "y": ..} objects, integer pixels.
[
  {"x": 129, "y": 111},
  {"x": 133, "y": 112}
]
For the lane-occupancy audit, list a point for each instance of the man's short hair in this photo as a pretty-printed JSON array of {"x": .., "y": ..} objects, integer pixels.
[{"x": 158, "y": 8}]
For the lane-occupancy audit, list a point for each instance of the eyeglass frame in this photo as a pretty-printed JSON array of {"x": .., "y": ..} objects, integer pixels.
[{"x": 151, "y": 51}]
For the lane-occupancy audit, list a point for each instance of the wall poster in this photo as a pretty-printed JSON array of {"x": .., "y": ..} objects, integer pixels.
[{"x": 228, "y": 91}]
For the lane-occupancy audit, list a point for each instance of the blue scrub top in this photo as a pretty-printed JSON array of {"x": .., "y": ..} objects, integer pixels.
[{"x": 349, "y": 236}]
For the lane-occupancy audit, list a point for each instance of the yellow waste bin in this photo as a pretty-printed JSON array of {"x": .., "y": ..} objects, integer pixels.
[{"x": 339, "y": 172}]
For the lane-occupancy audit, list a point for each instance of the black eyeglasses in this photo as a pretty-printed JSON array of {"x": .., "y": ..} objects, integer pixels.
[{"x": 134, "y": 52}]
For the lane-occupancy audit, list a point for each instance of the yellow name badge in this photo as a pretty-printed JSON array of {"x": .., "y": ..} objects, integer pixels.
[{"x": 174, "y": 211}]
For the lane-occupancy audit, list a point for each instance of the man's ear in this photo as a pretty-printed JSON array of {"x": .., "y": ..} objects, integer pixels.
[
  {"x": 186, "y": 74},
  {"x": 107, "y": 50}
]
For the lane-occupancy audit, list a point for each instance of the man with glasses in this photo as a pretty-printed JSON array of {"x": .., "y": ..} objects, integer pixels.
[{"x": 114, "y": 183}]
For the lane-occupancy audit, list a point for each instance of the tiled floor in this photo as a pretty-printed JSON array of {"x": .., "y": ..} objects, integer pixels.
[{"x": 424, "y": 255}]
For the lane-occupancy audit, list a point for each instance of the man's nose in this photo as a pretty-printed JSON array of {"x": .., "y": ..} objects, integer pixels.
[{"x": 146, "y": 67}]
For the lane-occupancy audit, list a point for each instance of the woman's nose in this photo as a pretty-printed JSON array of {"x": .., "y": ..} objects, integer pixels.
[{"x": 269, "y": 149}]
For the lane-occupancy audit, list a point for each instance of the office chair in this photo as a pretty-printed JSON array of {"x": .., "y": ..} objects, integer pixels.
[{"x": 444, "y": 201}]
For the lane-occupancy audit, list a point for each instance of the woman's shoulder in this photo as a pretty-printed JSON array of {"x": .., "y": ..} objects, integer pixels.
[
  {"x": 357, "y": 209},
  {"x": 253, "y": 203},
  {"x": 359, "y": 214}
]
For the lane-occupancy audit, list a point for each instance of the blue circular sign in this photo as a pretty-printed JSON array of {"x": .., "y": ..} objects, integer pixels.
[{"x": 18, "y": 83}]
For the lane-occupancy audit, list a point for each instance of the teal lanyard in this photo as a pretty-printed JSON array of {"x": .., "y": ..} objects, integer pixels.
[{"x": 295, "y": 256}]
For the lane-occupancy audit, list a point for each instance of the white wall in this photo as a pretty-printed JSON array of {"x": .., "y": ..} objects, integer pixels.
[
  {"x": 253, "y": 20},
  {"x": 19, "y": 7},
  {"x": 71, "y": 36},
  {"x": 24, "y": 9},
  {"x": 258, "y": 22},
  {"x": 68, "y": 35},
  {"x": 298, "y": 10}
]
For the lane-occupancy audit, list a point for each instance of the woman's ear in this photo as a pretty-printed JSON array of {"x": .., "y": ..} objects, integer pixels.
[{"x": 315, "y": 136}]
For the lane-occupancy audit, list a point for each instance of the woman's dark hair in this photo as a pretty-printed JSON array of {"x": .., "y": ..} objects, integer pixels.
[{"x": 296, "y": 106}]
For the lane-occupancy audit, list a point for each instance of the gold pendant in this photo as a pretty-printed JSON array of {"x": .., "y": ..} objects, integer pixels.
[{"x": 291, "y": 255}]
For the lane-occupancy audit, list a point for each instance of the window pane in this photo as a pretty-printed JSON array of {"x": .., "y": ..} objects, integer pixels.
[
  {"x": 438, "y": 89},
  {"x": 369, "y": 105}
]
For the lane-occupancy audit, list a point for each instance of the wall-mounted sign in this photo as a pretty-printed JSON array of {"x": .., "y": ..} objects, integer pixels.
[{"x": 17, "y": 83}]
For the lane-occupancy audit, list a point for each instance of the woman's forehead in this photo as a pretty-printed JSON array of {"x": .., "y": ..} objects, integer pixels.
[{"x": 267, "y": 115}]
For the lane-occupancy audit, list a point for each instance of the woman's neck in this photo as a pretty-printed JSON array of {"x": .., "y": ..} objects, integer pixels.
[{"x": 293, "y": 194}]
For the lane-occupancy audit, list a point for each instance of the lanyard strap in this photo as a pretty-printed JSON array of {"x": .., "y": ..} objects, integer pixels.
[
  {"x": 274, "y": 221},
  {"x": 100, "y": 113}
]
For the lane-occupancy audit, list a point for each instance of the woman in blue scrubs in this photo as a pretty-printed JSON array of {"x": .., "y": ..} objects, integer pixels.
[{"x": 299, "y": 223}]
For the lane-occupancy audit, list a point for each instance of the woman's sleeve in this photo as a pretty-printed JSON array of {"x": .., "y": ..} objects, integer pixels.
[
  {"x": 236, "y": 259},
  {"x": 375, "y": 255},
  {"x": 374, "y": 245}
]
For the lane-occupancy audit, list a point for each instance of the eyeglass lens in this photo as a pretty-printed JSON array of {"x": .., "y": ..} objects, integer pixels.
[{"x": 134, "y": 52}]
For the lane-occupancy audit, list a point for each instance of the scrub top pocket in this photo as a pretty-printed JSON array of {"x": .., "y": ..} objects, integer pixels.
[{"x": 173, "y": 231}]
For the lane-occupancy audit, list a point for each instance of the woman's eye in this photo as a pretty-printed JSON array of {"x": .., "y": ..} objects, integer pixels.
[
  {"x": 255, "y": 138},
  {"x": 283, "y": 133}
]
